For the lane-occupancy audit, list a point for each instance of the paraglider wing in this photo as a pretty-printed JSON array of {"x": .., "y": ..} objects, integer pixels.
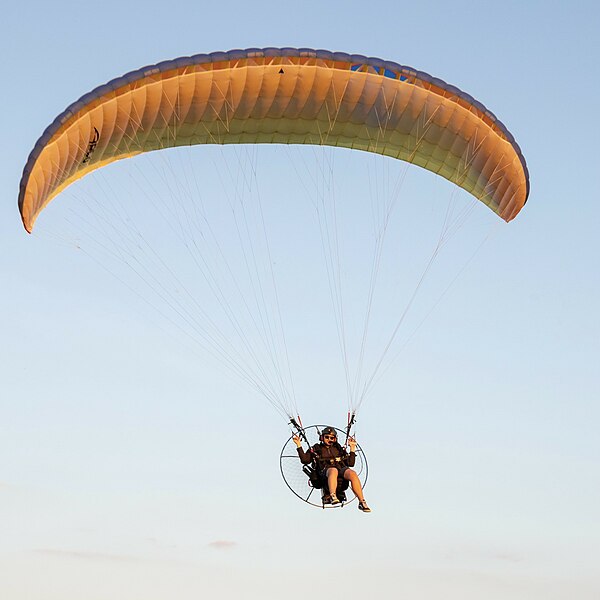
[{"x": 286, "y": 96}]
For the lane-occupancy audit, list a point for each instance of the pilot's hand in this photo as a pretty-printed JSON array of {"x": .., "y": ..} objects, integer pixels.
[
  {"x": 296, "y": 440},
  {"x": 352, "y": 444}
]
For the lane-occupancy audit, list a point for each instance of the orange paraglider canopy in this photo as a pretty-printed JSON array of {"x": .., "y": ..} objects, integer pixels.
[{"x": 285, "y": 96}]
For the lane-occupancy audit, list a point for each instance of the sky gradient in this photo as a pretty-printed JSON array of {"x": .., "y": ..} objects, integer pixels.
[{"x": 131, "y": 468}]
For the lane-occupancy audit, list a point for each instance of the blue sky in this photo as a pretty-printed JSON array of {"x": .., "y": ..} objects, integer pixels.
[{"x": 132, "y": 468}]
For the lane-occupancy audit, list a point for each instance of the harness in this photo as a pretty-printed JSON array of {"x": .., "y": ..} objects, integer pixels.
[
  {"x": 315, "y": 471},
  {"x": 333, "y": 461}
]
